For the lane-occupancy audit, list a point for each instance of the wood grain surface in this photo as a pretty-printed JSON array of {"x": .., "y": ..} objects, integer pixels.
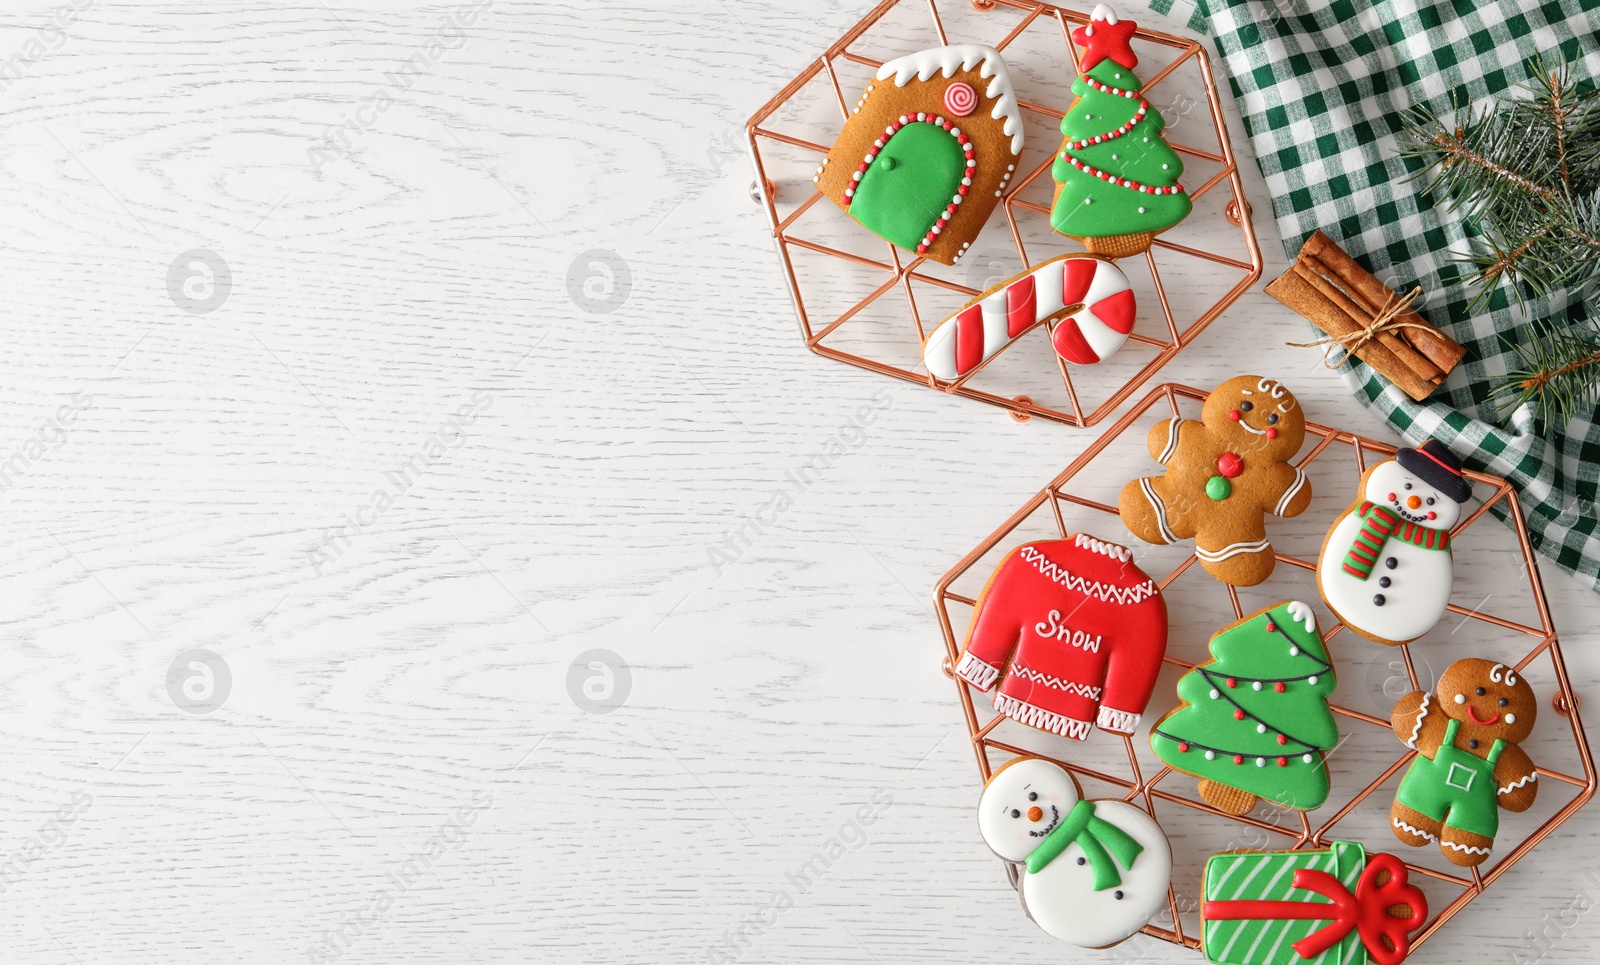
[{"x": 500, "y": 357}]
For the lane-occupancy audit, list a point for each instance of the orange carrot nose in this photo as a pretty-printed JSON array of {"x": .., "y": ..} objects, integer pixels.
[
  {"x": 1412, "y": 502},
  {"x": 1035, "y": 814}
]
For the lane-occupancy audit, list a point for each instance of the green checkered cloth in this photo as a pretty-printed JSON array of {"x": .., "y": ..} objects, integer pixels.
[{"x": 1321, "y": 85}]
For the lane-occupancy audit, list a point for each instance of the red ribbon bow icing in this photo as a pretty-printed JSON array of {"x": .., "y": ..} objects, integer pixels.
[{"x": 1366, "y": 912}]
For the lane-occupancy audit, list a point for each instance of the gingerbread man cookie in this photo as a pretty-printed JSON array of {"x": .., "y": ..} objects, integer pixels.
[
  {"x": 1468, "y": 762},
  {"x": 1224, "y": 474}
]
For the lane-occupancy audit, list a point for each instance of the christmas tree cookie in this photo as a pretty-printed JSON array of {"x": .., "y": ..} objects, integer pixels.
[
  {"x": 1255, "y": 719},
  {"x": 1116, "y": 178}
]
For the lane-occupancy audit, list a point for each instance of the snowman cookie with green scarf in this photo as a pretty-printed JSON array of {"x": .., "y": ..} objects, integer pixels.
[{"x": 1093, "y": 872}]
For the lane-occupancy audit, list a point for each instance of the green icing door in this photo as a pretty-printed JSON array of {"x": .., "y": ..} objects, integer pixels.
[{"x": 908, "y": 186}]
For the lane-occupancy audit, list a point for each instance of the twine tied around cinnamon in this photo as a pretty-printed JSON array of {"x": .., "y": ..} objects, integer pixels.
[{"x": 1386, "y": 320}]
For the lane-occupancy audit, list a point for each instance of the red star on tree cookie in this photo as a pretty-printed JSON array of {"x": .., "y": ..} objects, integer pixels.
[{"x": 1106, "y": 37}]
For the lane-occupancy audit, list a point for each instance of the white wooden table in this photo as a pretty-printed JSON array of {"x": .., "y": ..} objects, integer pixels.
[{"x": 395, "y": 468}]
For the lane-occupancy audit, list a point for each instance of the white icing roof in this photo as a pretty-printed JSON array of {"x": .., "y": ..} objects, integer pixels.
[{"x": 947, "y": 60}]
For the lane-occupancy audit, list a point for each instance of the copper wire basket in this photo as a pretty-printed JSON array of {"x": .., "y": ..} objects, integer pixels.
[
  {"x": 1117, "y": 767},
  {"x": 891, "y": 300}
]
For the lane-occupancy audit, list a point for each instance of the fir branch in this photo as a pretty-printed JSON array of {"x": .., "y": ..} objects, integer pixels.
[
  {"x": 1503, "y": 262},
  {"x": 1524, "y": 173},
  {"x": 1557, "y": 85},
  {"x": 1559, "y": 374},
  {"x": 1455, "y": 150}
]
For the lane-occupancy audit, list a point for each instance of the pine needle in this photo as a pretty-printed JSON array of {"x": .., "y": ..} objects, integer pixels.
[
  {"x": 1559, "y": 373},
  {"x": 1524, "y": 172}
]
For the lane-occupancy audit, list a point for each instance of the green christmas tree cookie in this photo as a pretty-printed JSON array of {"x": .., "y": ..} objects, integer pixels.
[
  {"x": 1255, "y": 719},
  {"x": 1116, "y": 178}
]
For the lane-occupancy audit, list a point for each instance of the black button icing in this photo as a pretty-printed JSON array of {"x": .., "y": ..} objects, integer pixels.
[
  {"x": 1391, "y": 562},
  {"x": 1384, "y": 582},
  {"x": 1378, "y": 600},
  {"x": 1118, "y": 895}
]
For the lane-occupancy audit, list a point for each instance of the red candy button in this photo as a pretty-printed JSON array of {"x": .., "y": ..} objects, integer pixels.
[{"x": 1230, "y": 464}]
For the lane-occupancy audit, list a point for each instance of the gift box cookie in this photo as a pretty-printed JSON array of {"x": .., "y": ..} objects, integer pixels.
[
  {"x": 1332, "y": 907},
  {"x": 928, "y": 150}
]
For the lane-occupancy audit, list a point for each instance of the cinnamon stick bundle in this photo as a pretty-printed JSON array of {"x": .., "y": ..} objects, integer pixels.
[{"x": 1364, "y": 316}]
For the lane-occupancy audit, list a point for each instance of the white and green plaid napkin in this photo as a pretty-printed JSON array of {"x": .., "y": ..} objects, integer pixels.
[{"x": 1321, "y": 85}]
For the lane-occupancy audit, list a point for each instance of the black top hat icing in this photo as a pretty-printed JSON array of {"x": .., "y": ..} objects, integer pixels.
[{"x": 1438, "y": 467}]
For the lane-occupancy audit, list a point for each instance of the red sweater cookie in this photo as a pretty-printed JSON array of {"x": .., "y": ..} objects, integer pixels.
[{"x": 1074, "y": 633}]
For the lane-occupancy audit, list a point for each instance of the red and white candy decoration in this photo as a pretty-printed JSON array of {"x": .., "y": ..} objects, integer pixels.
[
  {"x": 960, "y": 99},
  {"x": 1094, "y": 290}
]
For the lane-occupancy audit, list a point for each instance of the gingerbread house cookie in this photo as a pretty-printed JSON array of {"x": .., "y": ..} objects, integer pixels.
[{"x": 928, "y": 150}]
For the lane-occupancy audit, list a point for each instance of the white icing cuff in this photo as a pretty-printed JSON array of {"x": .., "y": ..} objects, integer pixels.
[
  {"x": 977, "y": 673},
  {"x": 1514, "y": 785},
  {"x": 1116, "y": 721}
]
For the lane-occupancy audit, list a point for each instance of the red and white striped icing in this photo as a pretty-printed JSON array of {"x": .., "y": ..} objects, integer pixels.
[{"x": 1099, "y": 326}]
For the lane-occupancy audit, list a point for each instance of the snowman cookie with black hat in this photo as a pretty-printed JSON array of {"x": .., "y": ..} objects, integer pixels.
[{"x": 1385, "y": 568}]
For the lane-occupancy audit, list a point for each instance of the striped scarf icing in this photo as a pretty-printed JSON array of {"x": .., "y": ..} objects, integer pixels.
[{"x": 1378, "y": 526}]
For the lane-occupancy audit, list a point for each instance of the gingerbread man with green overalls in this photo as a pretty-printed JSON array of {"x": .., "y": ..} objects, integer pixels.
[{"x": 1468, "y": 762}]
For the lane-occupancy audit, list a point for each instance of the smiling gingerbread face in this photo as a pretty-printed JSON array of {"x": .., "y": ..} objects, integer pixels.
[
  {"x": 1491, "y": 701},
  {"x": 1256, "y": 415}
]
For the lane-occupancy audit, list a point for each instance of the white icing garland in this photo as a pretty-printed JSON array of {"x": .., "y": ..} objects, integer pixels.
[
  {"x": 1104, "y": 592},
  {"x": 1416, "y": 729},
  {"x": 1417, "y": 831},
  {"x": 1055, "y": 683},
  {"x": 1160, "y": 510},
  {"x": 1085, "y": 541},
  {"x": 1231, "y": 550},
  {"x": 1467, "y": 848},
  {"x": 1533, "y": 776},
  {"x": 946, "y": 61},
  {"x": 1290, "y": 493},
  {"x": 1172, "y": 441}
]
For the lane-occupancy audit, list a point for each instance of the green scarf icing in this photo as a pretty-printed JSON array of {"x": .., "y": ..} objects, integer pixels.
[{"x": 1100, "y": 840}]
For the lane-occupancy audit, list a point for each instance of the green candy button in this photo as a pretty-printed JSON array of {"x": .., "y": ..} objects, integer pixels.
[{"x": 1218, "y": 488}]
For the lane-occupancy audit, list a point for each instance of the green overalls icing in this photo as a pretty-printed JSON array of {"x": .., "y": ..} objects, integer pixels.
[{"x": 1456, "y": 787}]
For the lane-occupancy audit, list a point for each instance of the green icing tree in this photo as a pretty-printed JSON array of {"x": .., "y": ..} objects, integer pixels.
[
  {"x": 1088, "y": 206},
  {"x": 1256, "y": 717}
]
